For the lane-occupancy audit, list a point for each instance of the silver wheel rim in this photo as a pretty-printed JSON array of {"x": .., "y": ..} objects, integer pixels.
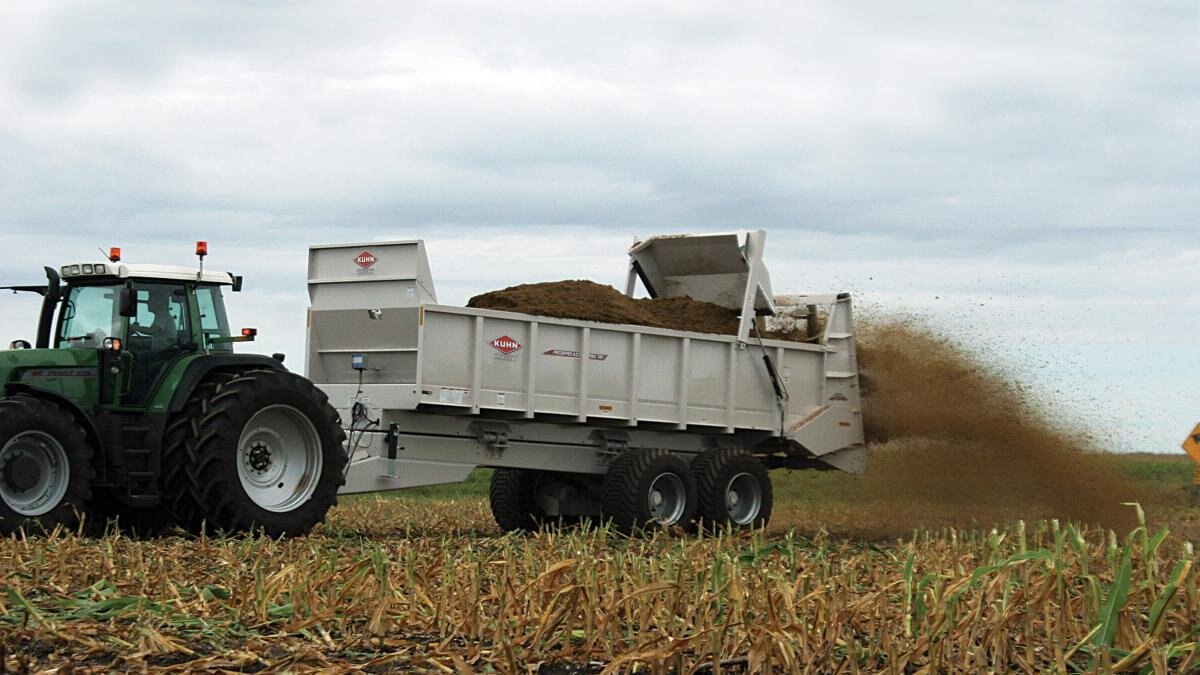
[
  {"x": 279, "y": 458},
  {"x": 743, "y": 498},
  {"x": 667, "y": 498},
  {"x": 34, "y": 473}
]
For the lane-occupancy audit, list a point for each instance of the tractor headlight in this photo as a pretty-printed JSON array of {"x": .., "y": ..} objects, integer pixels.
[
  {"x": 87, "y": 269},
  {"x": 65, "y": 271},
  {"x": 74, "y": 269},
  {"x": 101, "y": 269}
]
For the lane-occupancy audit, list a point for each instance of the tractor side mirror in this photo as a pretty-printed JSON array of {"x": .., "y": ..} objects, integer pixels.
[
  {"x": 127, "y": 301},
  {"x": 19, "y": 344}
]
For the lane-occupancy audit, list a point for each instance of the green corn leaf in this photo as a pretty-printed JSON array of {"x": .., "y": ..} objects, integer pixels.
[
  {"x": 1158, "y": 609},
  {"x": 1011, "y": 560},
  {"x": 1111, "y": 611},
  {"x": 31, "y": 612},
  {"x": 919, "y": 608},
  {"x": 210, "y": 592},
  {"x": 284, "y": 611},
  {"x": 1156, "y": 541}
]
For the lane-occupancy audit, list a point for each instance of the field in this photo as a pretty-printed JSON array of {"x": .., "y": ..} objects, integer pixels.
[
  {"x": 987, "y": 535},
  {"x": 423, "y": 581}
]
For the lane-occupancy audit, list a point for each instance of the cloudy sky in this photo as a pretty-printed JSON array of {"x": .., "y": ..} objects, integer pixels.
[{"x": 1026, "y": 175}]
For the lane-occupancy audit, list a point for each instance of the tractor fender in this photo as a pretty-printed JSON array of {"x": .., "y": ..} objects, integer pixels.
[
  {"x": 81, "y": 418},
  {"x": 203, "y": 366}
]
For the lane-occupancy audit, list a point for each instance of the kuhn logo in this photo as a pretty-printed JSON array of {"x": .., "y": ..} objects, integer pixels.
[
  {"x": 505, "y": 345},
  {"x": 365, "y": 259}
]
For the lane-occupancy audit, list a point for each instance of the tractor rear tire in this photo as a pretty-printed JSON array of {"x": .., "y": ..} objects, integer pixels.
[
  {"x": 734, "y": 489},
  {"x": 258, "y": 450},
  {"x": 647, "y": 489},
  {"x": 513, "y": 497},
  {"x": 46, "y": 470}
]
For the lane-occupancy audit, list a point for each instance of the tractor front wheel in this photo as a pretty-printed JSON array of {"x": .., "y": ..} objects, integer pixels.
[
  {"x": 257, "y": 450},
  {"x": 45, "y": 466}
]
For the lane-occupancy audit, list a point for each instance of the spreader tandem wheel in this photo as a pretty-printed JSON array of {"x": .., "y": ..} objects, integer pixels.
[
  {"x": 644, "y": 489},
  {"x": 45, "y": 466},
  {"x": 258, "y": 450},
  {"x": 734, "y": 489},
  {"x": 513, "y": 498}
]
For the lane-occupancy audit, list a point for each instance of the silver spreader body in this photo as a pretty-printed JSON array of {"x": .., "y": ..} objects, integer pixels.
[{"x": 443, "y": 390}]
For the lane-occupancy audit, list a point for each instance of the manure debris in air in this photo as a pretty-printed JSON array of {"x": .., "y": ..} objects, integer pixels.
[{"x": 953, "y": 440}]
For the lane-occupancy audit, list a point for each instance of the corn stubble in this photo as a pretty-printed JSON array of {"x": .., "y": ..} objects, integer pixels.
[{"x": 454, "y": 596}]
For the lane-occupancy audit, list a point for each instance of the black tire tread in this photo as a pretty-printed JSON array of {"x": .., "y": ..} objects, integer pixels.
[
  {"x": 622, "y": 495},
  {"x": 200, "y": 487},
  {"x": 23, "y": 409},
  {"x": 711, "y": 469},
  {"x": 511, "y": 495}
]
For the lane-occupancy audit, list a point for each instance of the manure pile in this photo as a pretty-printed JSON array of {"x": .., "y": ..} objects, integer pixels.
[
  {"x": 953, "y": 439},
  {"x": 590, "y": 301}
]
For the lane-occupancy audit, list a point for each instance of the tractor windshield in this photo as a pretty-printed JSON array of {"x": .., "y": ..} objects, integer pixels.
[{"x": 89, "y": 315}]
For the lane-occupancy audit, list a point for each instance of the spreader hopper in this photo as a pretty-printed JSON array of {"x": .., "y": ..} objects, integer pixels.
[{"x": 726, "y": 269}]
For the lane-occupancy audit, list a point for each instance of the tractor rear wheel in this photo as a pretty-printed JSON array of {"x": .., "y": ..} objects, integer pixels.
[
  {"x": 734, "y": 489},
  {"x": 648, "y": 488},
  {"x": 513, "y": 498},
  {"x": 46, "y": 468},
  {"x": 256, "y": 450}
]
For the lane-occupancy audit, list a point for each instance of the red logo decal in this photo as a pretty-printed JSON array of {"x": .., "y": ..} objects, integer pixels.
[
  {"x": 505, "y": 345},
  {"x": 365, "y": 259}
]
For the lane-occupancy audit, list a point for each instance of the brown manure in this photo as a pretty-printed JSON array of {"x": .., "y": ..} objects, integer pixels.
[
  {"x": 950, "y": 427},
  {"x": 590, "y": 301},
  {"x": 954, "y": 439}
]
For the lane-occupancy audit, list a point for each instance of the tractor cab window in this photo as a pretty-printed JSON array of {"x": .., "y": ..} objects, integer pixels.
[
  {"x": 213, "y": 321},
  {"x": 161, "y": 322},
  {"x": 89, "y": 315},
  {"x": 160, "y": 333}
]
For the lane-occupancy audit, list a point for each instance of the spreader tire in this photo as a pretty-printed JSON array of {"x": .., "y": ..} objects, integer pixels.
[
  {"x": 513, "y": 497},
  {"x": 46, "y": 467},
  {"x": 734, "y": 488},
  {"x": 645, "y": 489},
  {"x": 256, "y": 450}
]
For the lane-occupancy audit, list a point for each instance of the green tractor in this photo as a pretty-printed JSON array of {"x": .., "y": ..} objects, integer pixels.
[{"x": 133, "y": 405}]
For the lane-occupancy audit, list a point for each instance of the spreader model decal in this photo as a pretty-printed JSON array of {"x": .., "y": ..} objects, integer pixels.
[
  {"x": 37, "y": 373},
  {"x": 573, "y": 354}
]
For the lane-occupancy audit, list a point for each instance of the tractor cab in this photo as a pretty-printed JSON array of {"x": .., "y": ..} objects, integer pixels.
[
  {"x": 109, "y": 332},
  {"x": 146, "y": 316}
]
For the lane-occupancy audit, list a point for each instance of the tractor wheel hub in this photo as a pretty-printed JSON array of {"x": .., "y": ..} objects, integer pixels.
[
  {"x": 259, "y": 457},
  {"x": 22, "y": 473}
]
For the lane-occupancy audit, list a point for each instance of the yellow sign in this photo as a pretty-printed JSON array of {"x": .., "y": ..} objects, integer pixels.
[{"x": 1192, "y": 444}]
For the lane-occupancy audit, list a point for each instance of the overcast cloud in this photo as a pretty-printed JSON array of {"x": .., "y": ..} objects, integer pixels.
[{"x": 1025, "y": 174}]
